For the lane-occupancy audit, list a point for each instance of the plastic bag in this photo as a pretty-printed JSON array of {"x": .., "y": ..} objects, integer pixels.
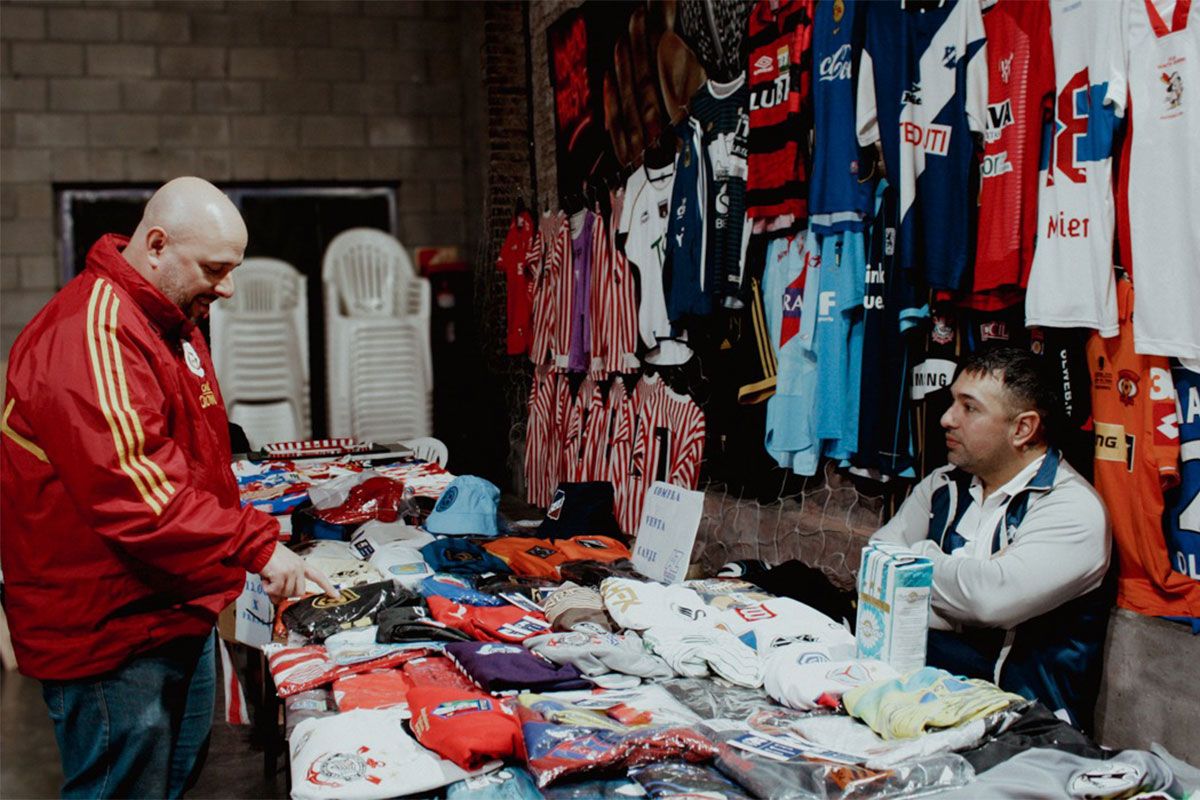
[
  {"x": 320, "y": 616},
  {"x": 375, "y": 498},
  {"x": 678, "y": 779},
  {"x": 298, "y": 669},
  {"x": 805, "y": 778},
  {"x": 555, "y": 751}
]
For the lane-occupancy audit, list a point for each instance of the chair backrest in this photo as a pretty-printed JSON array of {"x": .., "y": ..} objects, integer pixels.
[
  {"x": 371, "y": 272},
  {"x": 260, "y": 345},
  {"x": 429, "y": 449}
]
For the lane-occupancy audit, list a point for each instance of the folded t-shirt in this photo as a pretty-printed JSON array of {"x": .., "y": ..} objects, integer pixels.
[{"x": 507, "y": 667}]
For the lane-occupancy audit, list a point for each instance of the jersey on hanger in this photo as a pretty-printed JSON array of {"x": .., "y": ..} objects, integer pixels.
[
  {"x": 922, "y": 92},
  {"x": 1137, "y": 455},
  {"x": 892, "y": 311},
  {"x": 838, "y": 341},
  {"x": 614, "y": 306},
  {"x": 840, "y": 194},
  {"x": 780, "y": 41},
  {"x": 517, "y": 260},
  {"x": 721, "y": 112},
  {"x": 1071, "y": 280},
  {"x": 1020, "y": 91},
  {"x": 1182, "y": 522},
  {"x": 791, "y": 283},
  {"x": 1162, "y": 68},
  {"x": 644, "y": 219},
  {"x": 687, "y": 283}
]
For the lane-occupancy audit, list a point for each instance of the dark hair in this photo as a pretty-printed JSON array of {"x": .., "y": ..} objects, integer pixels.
[{"x": 1025, "y": 378}]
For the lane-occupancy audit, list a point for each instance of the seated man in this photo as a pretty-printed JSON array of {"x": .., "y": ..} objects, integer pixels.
[{"x": 1019, "y": 542}]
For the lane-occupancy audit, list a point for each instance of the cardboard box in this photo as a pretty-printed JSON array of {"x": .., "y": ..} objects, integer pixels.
[{"x": 894, "y": 587}]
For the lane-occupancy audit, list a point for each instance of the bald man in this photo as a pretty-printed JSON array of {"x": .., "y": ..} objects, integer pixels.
[{"x": 123, "y": 537}]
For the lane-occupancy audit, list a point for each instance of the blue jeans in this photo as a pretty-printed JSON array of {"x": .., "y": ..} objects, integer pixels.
[{"x": 141, "y": 730}]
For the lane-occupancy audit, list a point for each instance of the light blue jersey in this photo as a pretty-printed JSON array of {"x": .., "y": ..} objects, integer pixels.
[
  {"x": 790, "y": 286},
  {"x": 838, "y": 341}
]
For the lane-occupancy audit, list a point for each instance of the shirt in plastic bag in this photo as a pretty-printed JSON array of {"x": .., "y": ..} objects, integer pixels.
[
  {"x": 557, "y": 751},
  {"x": 679, "y": 779},
  {"x": 319, "y": 616},
  {"x": 363, "y": 755},
  {"x": 412, "y": 624},
  {"x": 298, "y": 669},
  {"x": 802, "y": 778},
  {"x": 508, "y": 783},
  {"x": 378, "y": 689},
  {"x": 467, "y": 727},
  {"x": 375, "y": 498}
]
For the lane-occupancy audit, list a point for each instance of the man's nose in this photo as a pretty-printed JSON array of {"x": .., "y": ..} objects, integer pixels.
[
  {"x": 948, "y": 419},
  {"x": 224, "y": 287}
]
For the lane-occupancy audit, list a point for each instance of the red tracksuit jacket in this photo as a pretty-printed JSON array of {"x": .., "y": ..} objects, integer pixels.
[{"x": 121, "y": 526}]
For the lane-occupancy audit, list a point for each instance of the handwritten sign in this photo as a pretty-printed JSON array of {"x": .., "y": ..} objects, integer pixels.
[
  {"x": 254, "y": 614},
  {"x": 667, "y": 533}
]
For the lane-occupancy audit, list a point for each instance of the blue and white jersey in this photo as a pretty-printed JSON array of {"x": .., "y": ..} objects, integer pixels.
[
  {"x": 922, "y": 92},
  {"x": 791, "y": 280},
  {"x": 1182, "y": 518},
  {"x": 840, "y": 196},
  {"x": 839, "y": 341},
  {"x": 687, "y": 285}
]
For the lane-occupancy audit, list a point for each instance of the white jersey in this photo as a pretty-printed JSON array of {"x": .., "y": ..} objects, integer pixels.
[
  {"x": 1071, "y": 281},
  {"x": 644, "y": 218},
  {"x": 1162, "y": 69}
]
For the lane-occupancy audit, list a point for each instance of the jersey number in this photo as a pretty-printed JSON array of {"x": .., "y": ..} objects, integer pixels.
[{"x": 1070, "y": 128}]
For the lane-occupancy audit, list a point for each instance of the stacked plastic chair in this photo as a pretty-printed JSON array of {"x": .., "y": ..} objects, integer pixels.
[
  {"x": 260, "y": 351},
  {"x": 377, "y": 348}
]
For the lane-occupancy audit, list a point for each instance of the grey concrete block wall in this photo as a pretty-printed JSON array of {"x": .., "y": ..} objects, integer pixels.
[{"x": 114, "y": 91}]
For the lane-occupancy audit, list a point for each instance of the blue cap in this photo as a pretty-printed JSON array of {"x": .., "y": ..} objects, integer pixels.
[{"x": 467, "y": 507}]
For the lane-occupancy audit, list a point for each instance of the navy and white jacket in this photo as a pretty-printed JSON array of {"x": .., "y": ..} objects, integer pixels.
[{"x": 1032, "y": 616}]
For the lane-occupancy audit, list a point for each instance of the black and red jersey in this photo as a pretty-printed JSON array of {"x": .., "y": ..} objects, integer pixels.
[{"x": 780, "y": 43}]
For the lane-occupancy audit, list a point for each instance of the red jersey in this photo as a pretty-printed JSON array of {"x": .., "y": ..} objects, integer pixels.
[
  {"x": 780, "y": 41},
  {"x": 1020, "y": 90},
  {"x": 518, "y": 261},
  {"x": 1137, "y": 456}
]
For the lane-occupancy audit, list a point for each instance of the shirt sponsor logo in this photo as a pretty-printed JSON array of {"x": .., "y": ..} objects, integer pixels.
[
  {"x": 764, "y": 65},
  {"x": 1000, "y": 116},
  {"x": 1114, "y": 444},
  {"x": 1005, "y": 65},
  {"x": 994, "y": 329},
  {"x": 1127, "y": 386},
  {"x": 1172, "y": 89},
  {"x": 950, "y": 57},
  {"x": 755, "y": 613},
  {"x": 930, "y": 376},
  {"x": 208, "y": 398},
  {"x": 934, "y": 139},
  {"x": 837, "y": 66}
]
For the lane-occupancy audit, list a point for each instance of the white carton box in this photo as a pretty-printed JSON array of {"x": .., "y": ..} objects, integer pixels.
[{"x": 894, "y": 586}]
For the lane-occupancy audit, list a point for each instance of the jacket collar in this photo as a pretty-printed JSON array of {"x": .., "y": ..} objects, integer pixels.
[{"x": 106, "y": 258}]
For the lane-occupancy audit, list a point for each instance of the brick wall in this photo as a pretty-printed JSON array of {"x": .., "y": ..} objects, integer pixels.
[{"x": 120, "y": 91}]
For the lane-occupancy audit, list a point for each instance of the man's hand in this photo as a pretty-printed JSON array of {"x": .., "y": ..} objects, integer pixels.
[{"x": 285, "y": 575}]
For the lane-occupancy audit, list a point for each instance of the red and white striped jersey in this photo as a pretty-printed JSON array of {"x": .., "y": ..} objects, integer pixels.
[
  {"x": 545, "y": 307},
  {"x": 574, "y": 434},
  {"x": 562, "y": 414},
  {"x": 563, "y": 297},
  {"x": 539, "y": 443},
  {"x": 614, "y": 305},
  {"x": 622, "y": 415},
  {"x": 595, "y": 437},
  {"x": 668, "y": 446}
]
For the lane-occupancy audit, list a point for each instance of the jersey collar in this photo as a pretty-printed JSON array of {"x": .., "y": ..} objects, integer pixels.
[
  {"x": 1178, "y": 19},
  {"x": 106, "y": 258}
]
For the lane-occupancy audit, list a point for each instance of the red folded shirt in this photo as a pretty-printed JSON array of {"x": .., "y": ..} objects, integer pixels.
[
  {"x": 488, "y": 623},
  {"x": 469, "y": 728}
]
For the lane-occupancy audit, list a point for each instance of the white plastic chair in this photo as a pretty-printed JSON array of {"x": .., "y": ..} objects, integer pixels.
[
  {"x": 377, "y": 312},
  {"x": 429, "y": 449},
  {"x": 260, "y": 351}
]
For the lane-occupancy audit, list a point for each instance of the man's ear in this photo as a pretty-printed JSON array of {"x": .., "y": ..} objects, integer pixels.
[
  {"x": 156, "y": 242},
  {"x": 1025, "y": 428}
]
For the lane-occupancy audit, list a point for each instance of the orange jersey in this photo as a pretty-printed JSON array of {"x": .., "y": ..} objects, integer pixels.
[{"x": 1137, "y": 457}]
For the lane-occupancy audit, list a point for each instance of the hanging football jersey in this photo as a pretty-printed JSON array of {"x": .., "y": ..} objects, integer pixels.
[
  {"x": 1137, "y": 453},
  {"x": 540, "y": 479},
  {"x": 669, "y": 445},
  {"x": 685, "y": 280},
  {"x": 840, "y": 195},
  {"x": 556, "y": 241},
  {"x": 1162, "y": 57},
  {"x": 644, "y": 218},
  {"x": 1071, "y": 280},
  {"x": 922, "y": 92},
  {"x": 780, "y": 42},
  {"x": 574, "y": 334},
  {"x": 790, "y": 288},
  {"x": 622, "y": 413},
  {"x": 935, "y": 361},
  {"x": 838, "y": 341},
  {"x": 614, "y": 303},
  {"x": 721, "y": 112},
  {"x": 1020, "y": 91},
  {"x": 520, "y": 250},
  {"x": 1182, "y": 522}
]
